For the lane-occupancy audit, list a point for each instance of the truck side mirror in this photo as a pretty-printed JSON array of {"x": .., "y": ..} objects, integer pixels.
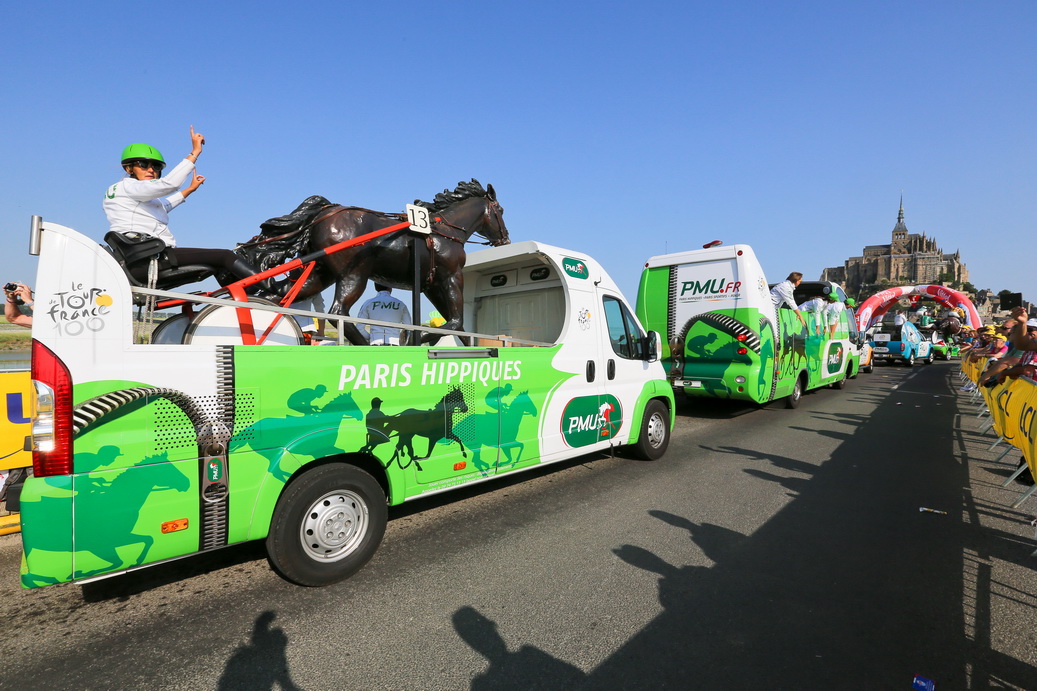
[{"x": 653, "y": 346}]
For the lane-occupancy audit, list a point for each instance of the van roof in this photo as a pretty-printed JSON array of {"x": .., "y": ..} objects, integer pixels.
[{"x": 705, "y": 255}]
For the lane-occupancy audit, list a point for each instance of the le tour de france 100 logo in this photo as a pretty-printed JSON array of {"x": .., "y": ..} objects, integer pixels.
[
  {"x": 79, "y": 309},
  {"x": 590, "y": 419},
  {"x": 709, "y": 289}
]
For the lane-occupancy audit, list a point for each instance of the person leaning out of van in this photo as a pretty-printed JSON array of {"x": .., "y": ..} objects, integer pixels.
[
  {"x": 18, "y": 306},
  {"x": 826, "y": 312},
  {"x": 784, "y": 294}
]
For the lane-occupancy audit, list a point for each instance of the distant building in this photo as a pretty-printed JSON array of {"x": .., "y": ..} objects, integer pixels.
[{"x": 908, "y": 259}]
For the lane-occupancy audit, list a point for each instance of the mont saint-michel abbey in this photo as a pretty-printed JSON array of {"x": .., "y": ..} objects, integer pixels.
[{"x": 908, "y": 259}]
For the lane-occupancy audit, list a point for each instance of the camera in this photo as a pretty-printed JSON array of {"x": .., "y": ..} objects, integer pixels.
[{"x": 9, "y": 288}]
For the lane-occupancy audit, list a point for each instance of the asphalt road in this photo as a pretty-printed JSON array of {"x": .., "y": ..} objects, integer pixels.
[{"x": 769, "y": 549}]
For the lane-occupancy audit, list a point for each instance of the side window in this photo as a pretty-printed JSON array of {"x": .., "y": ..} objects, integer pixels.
[{"x": 625, "y": 335}]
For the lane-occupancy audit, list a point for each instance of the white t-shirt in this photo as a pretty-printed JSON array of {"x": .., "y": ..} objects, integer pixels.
[
  {"x": 138, "y": 206},
  {"x": 783, "y": 293},
  {"x": 384, "y": 307}
]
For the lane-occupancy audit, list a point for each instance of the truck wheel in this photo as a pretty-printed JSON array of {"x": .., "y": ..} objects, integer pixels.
[
  {"x": 910, "y": 361},
  {"x": 327, "y": 524},
  {"x": 792, "y": 400},
  {"x": 929, "y": 358},
  {"x": 655, "y": 432},
  {"x": 841, "y": 384}
]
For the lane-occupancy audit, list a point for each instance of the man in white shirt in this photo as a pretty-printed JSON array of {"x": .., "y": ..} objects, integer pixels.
[
  {"x": 825, "y": 310},
  {"x": 784, "y": 294},
  {"x": 383, "y": 307}
]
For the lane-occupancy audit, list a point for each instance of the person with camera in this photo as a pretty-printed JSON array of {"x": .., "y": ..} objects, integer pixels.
[
  {"x": 141, "y": 202},
  {"x": 18, "y": 308}
]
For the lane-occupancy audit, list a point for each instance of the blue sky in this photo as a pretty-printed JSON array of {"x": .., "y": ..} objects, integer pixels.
[{"x": 617, "y": 129}]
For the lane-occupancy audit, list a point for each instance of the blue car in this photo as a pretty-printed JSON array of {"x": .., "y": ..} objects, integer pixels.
[{"x": 901, "y": 343}]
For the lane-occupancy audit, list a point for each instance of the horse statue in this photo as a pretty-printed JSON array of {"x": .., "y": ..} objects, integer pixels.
[
  {"x": 317, "y": 224},
  {"x": 434, "y": 424},
  {"x": 949, "y": 324}
]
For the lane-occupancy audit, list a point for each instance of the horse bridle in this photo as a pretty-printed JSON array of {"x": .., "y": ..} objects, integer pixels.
[{"x": 495, "y": 207}]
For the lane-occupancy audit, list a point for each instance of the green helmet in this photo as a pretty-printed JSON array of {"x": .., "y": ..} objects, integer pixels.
[
  {"x": 138, "y": 151},
  {"x": 833, "y": 296},
  {"x": 850, "y": 302}
]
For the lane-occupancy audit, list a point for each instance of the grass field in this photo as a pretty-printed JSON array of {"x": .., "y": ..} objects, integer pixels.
[{"x": 13, "y": 338}]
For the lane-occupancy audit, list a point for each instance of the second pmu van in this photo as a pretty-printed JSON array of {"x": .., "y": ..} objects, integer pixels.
[{"x": 724, "y": 338}]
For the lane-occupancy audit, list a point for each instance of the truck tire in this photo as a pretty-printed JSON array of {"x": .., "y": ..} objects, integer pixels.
[
  {"x": 929, "y": 358},
  {"x": 655, "y": 432},
  {"x": 792, "y": 400},
  {"x": 327, "y": 524},
  {"x": 841, "y": 384},
  {"x": 910, "y": 361}
]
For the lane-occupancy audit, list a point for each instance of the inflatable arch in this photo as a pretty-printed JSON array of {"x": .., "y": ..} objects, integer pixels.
[{"x": 879, "y": 303}]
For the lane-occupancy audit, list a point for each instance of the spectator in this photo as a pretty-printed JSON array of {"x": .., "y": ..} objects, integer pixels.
[
  {"x": 383, "y": 307},
  {"x": 18, "y": 308}
]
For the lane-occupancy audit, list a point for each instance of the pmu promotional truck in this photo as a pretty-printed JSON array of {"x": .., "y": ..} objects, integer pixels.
[
  {"x": 725, "y": 339},
  {"x": 147, "y": 452}
]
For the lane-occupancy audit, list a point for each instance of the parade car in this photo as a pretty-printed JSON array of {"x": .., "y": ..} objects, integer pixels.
[
  {"x": 893, "y": 343},
  {"x": 942, "y": 350}
]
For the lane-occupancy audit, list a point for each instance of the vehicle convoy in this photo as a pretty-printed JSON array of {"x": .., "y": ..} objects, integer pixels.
[
  {"x": 724, "y": 338},
  {"x": 904, "y": 343},
  {"x": 147, "y": 452}
]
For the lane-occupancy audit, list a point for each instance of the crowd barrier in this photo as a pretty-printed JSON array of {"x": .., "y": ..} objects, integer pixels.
[
  {"x": 1013, "y": 413},
  {"x": 14, "y": 427}
]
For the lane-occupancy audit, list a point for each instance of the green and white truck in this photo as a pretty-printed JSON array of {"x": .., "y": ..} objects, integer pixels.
[
  {"x": 724, "y": 337},
  {"x": 148, "y": 452}
]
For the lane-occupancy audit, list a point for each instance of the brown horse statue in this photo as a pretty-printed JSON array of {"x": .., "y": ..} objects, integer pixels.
[
  {"x": 317, "y": 224},
  {"x": 948, "y": 325}
]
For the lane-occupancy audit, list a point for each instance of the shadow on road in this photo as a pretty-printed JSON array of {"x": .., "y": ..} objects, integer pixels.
[
  {"x": 261, "y": 663},
  {"x": 848, "y": 586}
]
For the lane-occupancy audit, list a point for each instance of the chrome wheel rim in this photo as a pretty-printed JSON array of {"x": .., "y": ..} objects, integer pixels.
[
  {"x": 334, "y": 526},
  {"x": 656, "y": 430}
]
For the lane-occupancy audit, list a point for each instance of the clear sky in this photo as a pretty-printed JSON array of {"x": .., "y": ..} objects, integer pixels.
[{"x": 617, "y": 129}]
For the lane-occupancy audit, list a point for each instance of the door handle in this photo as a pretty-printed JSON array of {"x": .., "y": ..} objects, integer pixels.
[
  {"x": 590, "y": 370},
  {"x": 610, "y": 370}
]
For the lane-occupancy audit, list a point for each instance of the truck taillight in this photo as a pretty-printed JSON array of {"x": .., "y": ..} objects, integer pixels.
[{"x": 52, "y": 421}]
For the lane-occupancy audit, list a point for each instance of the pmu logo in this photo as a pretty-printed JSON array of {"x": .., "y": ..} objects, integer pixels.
[
  {"x": 713, "y": 286},
  {"x": 590, "y": 419},
  {"x": 575, "y": 268},
  {"x": 835, "y": 355}
]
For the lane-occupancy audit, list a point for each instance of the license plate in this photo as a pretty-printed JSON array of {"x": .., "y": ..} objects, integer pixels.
[
  {"x": 879, "y": 349},
  {"x": 881, "y": 337}
]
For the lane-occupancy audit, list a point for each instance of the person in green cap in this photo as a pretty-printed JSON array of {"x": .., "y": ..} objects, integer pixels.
[{"x": 141, "y": 202}]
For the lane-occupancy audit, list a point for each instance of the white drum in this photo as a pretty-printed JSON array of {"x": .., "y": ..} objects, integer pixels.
[
  {"x": 218, "y": 325},
  {"x": 170, "y": 330}
]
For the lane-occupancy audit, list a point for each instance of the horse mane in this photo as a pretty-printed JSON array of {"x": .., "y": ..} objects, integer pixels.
[{"x": 464, "y": 190}]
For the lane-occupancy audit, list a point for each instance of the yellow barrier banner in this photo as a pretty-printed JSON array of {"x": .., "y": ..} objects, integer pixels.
[
  {"x": 1026, "y": 420},
  {"x": 16, "y": 424}
]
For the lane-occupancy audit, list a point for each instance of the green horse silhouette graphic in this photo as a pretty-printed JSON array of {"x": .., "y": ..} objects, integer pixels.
[
  {"x": 102, "y": 531},
  {"x": 434, "y": 424},
  {"x": 270, "y": 436},
  {"x": 478, "y": 431}
]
